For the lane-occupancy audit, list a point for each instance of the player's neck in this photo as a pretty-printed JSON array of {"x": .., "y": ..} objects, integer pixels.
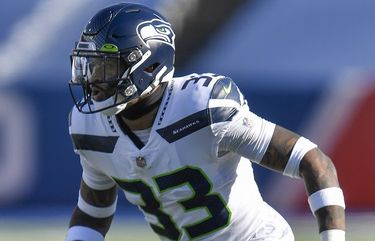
[
  {"x": 141, "y": 123},
  {"x": 141, "y": 114}
]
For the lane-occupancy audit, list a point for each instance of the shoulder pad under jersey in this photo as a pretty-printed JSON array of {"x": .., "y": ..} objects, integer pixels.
[{"x": 225, "y": 100}]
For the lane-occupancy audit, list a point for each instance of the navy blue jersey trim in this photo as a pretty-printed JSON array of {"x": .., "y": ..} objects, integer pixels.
[
  {"x": 220, "y": 114},
  {"x": 185, "y": 126},
  {"x": 225, "y": 88},
  {"x": 104, "y": 144},
  {"x": 195, "y": 122},
  {"x": 133, "y": 137}
]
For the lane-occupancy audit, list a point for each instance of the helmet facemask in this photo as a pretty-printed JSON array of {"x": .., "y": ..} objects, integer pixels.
[{"x": 104, "y": 79}]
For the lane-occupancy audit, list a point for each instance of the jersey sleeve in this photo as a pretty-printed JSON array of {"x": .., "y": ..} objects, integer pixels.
[
  {"x": 235, "y": 127},
  {"x": 247, "y": 135},
  {"x": 94, "y": 178},
  {"x": 90, "y": 174}
]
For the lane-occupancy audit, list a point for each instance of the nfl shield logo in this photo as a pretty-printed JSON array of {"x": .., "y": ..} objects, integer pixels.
[{"x": 141, "y": 162}]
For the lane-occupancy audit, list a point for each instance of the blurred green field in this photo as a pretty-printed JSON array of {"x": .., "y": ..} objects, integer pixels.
[{"x": 360, "y": 228}]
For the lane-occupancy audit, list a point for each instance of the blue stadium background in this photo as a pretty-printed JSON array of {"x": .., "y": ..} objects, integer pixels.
[{"x": 285, "y": 55}]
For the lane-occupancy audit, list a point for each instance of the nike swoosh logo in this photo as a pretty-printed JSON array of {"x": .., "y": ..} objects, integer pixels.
[{"x": 228, "y": 88}]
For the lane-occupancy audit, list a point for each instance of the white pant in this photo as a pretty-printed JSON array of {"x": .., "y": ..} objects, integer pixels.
[{"x": 272, "y": 227}]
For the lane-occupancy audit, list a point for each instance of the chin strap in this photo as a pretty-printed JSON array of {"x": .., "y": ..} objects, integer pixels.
[{"x": 146, "y": 105}]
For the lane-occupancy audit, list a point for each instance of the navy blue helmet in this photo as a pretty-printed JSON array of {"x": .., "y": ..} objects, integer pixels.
[{"x": 125, "y": 52}]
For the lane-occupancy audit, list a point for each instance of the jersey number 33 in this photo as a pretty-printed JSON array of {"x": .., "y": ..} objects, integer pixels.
[{"x": 202, "y": 197}]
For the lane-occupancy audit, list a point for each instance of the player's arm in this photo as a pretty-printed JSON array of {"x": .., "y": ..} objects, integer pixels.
[
  {"x": 284, "y": 151},
  {"x": 241, "y": 131},
  {"x": 92, "y": 217},
  {"x": 297, "y": 157}
]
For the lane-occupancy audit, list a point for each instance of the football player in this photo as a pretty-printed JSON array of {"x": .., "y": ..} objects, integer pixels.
[{"x": 181, "y": 149}]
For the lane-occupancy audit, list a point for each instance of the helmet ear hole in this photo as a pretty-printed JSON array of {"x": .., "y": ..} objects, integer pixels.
[{"x": 151, "y": 68}]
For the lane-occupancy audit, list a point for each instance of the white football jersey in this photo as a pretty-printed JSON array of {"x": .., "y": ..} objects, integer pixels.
[{"x": 185, "y": 185}]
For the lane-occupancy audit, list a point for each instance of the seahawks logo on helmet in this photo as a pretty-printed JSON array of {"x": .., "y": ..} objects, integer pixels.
[{"x": 156, "y": 30}]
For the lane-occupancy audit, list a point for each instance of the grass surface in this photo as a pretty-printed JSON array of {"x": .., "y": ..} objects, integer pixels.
[{"x": 360, "y": 228}]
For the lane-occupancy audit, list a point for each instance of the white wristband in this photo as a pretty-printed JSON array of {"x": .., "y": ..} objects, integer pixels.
[
  {"x": 81, "y": 233},
  {"x": 326, "y": 197},
  {"x": 332, "y": 235}
]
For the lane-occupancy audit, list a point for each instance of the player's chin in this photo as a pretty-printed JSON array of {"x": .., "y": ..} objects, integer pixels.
[{"x": 98, "y": 96}]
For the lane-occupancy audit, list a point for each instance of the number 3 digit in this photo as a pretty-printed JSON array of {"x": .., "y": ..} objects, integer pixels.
[
  {"x": 167, "y": 227},
  {"x": 202, "y": 198}
]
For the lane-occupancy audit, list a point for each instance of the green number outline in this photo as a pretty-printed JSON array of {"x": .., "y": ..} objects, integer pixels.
[
  {"x": 208, "y": 194},
  {"x": 160, "y": 208}
]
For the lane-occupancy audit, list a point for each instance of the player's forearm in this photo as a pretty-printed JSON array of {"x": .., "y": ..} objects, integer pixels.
[
  {"x": 93, "y": 215},
  {"x": 80, "y": 218},
  {"x": 83, "y": 227},
  {"x": 298, "y": 157},
  {"x": 321, "y": 180}
]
